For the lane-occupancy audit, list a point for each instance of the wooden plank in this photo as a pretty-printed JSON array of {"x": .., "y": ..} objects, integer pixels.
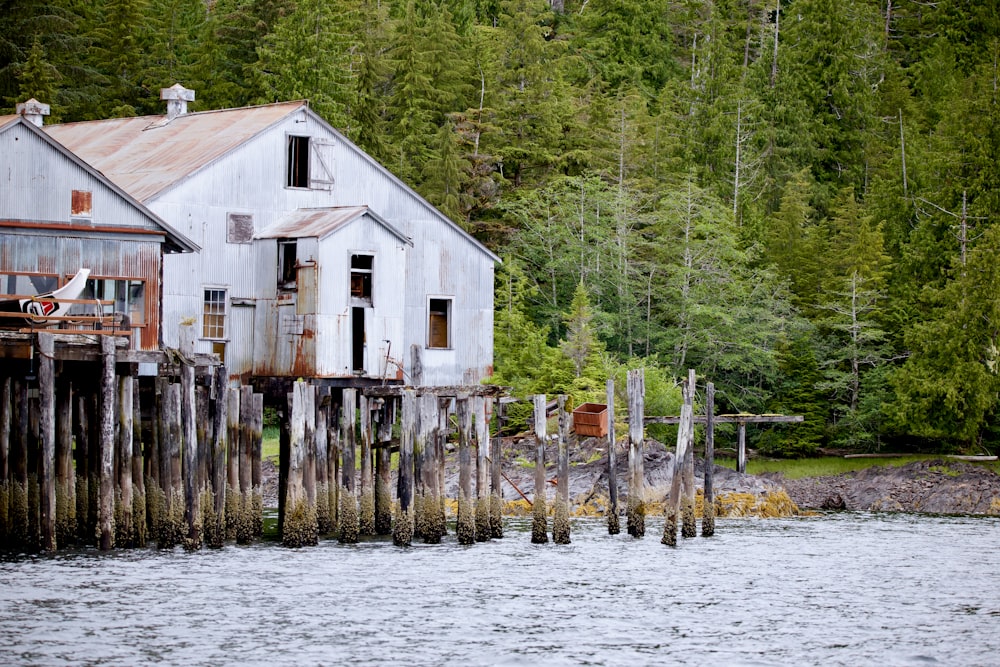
[
  {"x": 741, "y": 447},
  {"x": 731, "y": 419},
  {"x": 614, "y": 526}
]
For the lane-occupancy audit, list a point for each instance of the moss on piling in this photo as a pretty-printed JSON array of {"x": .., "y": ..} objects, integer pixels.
[
  {"x": 215, "y": 529},
  {"x": 139, "y": 533},
  {"x": 708, "y": 520},
  {"x": 232, "y": 511},
  {"x": 18, "y": 516},
  {"x": 688, "y": 526},
  {"x": 669, "y": 529},
  {"x": 349, "y": 528},
  {"x": 194, "y": 533},
  {"x": 383, "y": 508},
  {"x": 560, "y": 523},
  {"x": 122, "y": 522},
  {"x": 465, "y": 529},
  {"x": 614, "y": 525},
  {"x": 4, "y": 513},
  {"x": 402, "y": 529},
  {"x": 366, "y": 520},
  {"x": 244, "y": 523},
  {"x": 82, "y": 496},
  {"x": 539, "y": 529},
  {"x": 324, "y": 522},
  {"x": 432, "y": 520},
  {"x": 496, "y": 517},
  {"x": 300, "y": 528},
  {"x": 482, "y": 519},
  {"x": 257, "y": 512},
  {"x": 65, "y": 512},
  {"x": 635, "y": 515}
]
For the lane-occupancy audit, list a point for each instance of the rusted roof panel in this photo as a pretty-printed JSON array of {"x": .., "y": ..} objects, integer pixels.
[
  {"x": 321, "y": 222},
  {"x": 148, "y": 154}
]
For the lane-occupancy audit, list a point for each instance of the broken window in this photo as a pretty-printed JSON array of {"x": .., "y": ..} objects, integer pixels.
[
  {"x": 239, "y": 228},
  {"x": 361, "y": 278},
  {"x": 213, "y": 313},
  {"x": 115, "y": 296},
  {"x": 438, "y": 324},
  {"x": 298, "y": 162},
  {"x": 287, "y": 272}
]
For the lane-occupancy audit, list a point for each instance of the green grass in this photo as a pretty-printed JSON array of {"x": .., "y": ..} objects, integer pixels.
[
  {"x": 270, "y": 445},
  {"x": 828, "y": 465}
]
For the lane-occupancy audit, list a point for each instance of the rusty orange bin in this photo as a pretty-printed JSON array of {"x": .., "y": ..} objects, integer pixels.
[{"x": 591, "y": 419}]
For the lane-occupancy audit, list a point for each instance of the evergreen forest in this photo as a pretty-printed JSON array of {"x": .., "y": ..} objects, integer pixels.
[{"x": 800, "y": 199}]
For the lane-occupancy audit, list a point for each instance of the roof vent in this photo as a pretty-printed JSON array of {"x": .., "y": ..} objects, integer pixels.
[
  {"x": 177, "y": 97},
  {"x": 33, "y": 111}
]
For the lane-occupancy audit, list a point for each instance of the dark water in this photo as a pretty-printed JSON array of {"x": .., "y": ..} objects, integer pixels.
[{"x": 847, "y": 589}]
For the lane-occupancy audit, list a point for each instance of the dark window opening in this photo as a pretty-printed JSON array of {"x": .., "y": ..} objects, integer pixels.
[
  {"x": 298, "y": 162},
  {"x": 287, "y": 271},
  {"x": 361, "y": 278},
  {"x": 437, "y": 329},
  {"x": 358, "y": 338}
]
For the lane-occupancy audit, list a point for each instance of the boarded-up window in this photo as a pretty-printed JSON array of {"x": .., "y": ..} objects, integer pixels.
[
  {"x": 82, "y": 204},
  {"x": 240, "y": 228},
  {"x": 361, "y": 278},
  {"x": 321, "y": 168},
  {"x": 438, "y": 323},
  {"x": 298, "y": 162},
  {"x": 213, "y": 314}
]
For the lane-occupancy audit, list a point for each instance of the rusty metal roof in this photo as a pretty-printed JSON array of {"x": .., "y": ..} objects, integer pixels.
[
  {"x": 6, "y": 119},
  {"x": 321, "y": 222},
  {"x": 148, "y": 154}
]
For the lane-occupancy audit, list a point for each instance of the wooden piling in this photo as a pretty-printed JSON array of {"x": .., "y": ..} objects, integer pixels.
[
  {"x": 5, "y": 431},
  {"x": 174, "y": 526},
  {"x": 333, "y": 462},
  {"x": 324, "y": 520},
  {"x": 428, "y": 514},
  {"x": 688, "y": 526},
  {"x": 189, "y": 435},
  {"x": 482, "y": 407},
  {"x": 18, "y": 509},
  {"x": 614, "y": 526},
  {"x": 366, "y": 500},
  {"x": 309, "y": 462},
  {"x": 245, "y": 525},
  {"x": 560, "y": 519},
  {"x": 81, "y": 433},
  {"x": 383, "y": 471},
  {"x": 47, "y": 438},
  {"x": 440, "y": 453},
  {"x": 65, "y": 479},
  {"x": 124, "y": 527},
  {"x": 741, "y": 447},
  {"x": 636, "y": 509},
  {"x": 232, "y": 510},
  {"x": 539, "y": 529},
  {"x": 349, "y": 524},
  {"x": 496, "y": 477},
  {"x": 300, "y": 527},
  {"x": 139, "y": 505},
  {"x": 673, "y": 505},
  {"x": 402, "y": 531},
  {"x": 215, "y": 534},
  {"x": 465, "y": 528},
  {"x": 708, "y": 504},
  {"x": 256, "y": 453},
  {"x": 106, "y": 507}
]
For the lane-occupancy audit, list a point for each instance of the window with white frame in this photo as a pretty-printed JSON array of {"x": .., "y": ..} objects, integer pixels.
[{"x": 213, "y": 313}]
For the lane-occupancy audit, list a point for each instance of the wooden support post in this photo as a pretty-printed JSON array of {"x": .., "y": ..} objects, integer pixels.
[
  {"x": 741, "y": 447},
  {"x": 383, "y": 471},
  {"x": 244, "y": 527},
  {"x": 539, "y": 528},
  {"x": 349, "y": 524},
  {"x": 139, "y": 504},
  {"x": 688, "y": 526},
  {"x": 300, "y": 519},
  {"x": 47, "y": 438},
  {"x": 496, "y": 483},
  {"x": 636, "y": 510},
  {"x": 309, "y": 462},
  {"x": 440, "y": 440},
  {"x": 215, "y": 534},
  {"x": 482, "y": 407},
  {"x": 366, "y": 500},
  {"x": 18, "y": 509},
  {"x": 672, "y": 509},
  {"x": 124, "y": 521},
  {"x": 232, "y": 462},
  {"x": 65, "y": 481},
  {"x": 402, "y": 531},
  {"x": 466, "y": 525},
  {"x": 614, "y": 527},
  {"x": 256, "y": 453},
  {"x": 203, "y": 434},
  {"x": 708, "y": 504},
  {"x": 560, "y": 519},
  {"x": 5, "y": 431},
  {"x": 333, "y": 461},
  {"x": 324, "y": 519},
  {"x": 427, "y": 517},
  {"x": 189, "y": 437},
  {"x": 93, "y": 464},
  {"x": 106, "y": 501},
  {"x": 173, "y": 525}
]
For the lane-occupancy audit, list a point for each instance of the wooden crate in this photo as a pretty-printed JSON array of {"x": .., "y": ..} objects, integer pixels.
[{"x": 591, "y": 419}]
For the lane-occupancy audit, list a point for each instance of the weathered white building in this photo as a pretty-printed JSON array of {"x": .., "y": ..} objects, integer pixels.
[
  {"x": 59, "y": 215},
  {"x": 315, "y": 260}
]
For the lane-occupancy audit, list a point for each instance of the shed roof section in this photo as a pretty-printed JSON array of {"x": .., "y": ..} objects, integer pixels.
[
  {"x": 148, "y": 154},
  {"x": 174, "y": 241},
  {"x": 322, "y": 222}
]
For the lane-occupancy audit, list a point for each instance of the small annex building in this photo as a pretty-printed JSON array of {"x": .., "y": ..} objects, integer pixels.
[
  {"x": 59, "y": 215},
  {"x": 315, "y": 262}
]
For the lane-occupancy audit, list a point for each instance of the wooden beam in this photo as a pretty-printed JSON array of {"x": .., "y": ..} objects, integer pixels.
[{"x": 731, "y": 419}]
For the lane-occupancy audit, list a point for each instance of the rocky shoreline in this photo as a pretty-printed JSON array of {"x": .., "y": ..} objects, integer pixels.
[{"x": 932, "y": 486}]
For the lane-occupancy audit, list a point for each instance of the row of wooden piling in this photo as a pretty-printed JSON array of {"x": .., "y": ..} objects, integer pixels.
[
  {"x": 336, "y": 495},
  {"x": 91, "y": 454}
]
